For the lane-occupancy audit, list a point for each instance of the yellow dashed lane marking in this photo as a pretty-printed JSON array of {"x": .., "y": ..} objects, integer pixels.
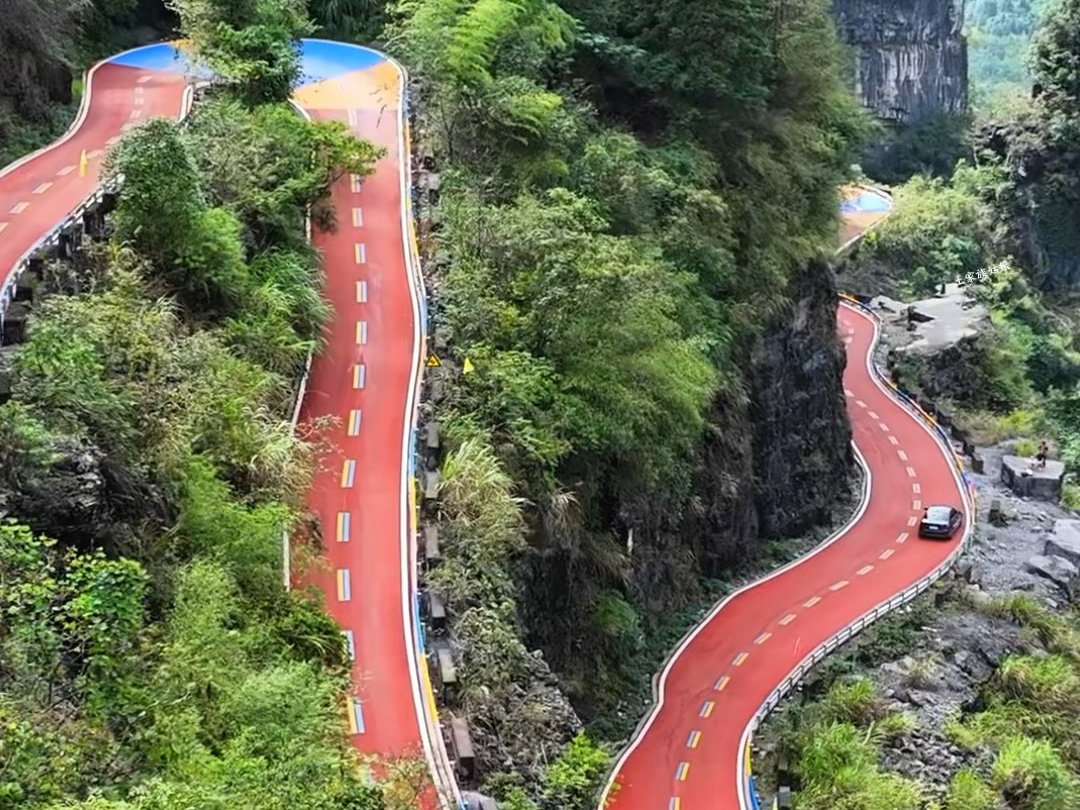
[{"x": 740, "y": 658}]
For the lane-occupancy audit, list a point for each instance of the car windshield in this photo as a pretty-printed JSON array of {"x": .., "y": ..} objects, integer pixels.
[{"x": 938, "y": 514}]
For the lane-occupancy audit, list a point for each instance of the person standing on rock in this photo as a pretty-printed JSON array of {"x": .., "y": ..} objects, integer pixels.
[{"x": 1040, "y": 457}]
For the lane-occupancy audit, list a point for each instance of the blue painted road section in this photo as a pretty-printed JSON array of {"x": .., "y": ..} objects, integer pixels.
[
  {"x": 324, "y": 60},
  {"x": 866, "y": 203},
  {"x": 321, "y": 60}
]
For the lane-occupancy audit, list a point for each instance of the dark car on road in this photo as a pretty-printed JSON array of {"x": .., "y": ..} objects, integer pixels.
[{"x": 940, "y": 522}]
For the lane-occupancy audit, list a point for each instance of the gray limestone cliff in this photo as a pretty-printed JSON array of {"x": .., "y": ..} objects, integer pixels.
[
  {"x": 910, "y": 56},
  {"x": 774, "y": 465}
]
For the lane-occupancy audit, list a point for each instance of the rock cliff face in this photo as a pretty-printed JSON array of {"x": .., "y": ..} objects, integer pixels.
[
  {"x": 772, "y": 466},
  {"x": 910, "y": 55}
]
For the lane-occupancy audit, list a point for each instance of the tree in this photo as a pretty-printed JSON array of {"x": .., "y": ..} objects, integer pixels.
[{"x": 252, "y": 44}]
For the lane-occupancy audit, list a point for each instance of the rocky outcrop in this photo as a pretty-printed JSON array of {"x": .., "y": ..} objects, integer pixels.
[
  {"x": 775, "y": 464},
  {"x": 802, "y": 437},
  {"x": 947, "y": 351},
  {"x": 1023, "y": 477},
  {"x": 910, "y": 55},
  {"x": 83, "y": 498}
]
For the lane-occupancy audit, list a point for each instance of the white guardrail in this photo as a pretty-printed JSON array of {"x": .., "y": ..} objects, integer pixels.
[
  {"x": 52, "y": 238},
  {"x": 748, "y": 798},
  {"x": 427, "y": 712}
]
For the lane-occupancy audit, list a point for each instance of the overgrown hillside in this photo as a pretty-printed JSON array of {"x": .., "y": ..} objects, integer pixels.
[
  {"x": 632, "y": 199},
  {"x": 149, "y": 656},
  {"x": 636, "y": 199}
]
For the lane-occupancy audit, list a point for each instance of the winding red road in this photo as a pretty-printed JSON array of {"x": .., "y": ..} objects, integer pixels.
[
  {"x": 40, "y": 190},
  {"x": 687, "y": 755},
  {"x": 365, "y": 380}
]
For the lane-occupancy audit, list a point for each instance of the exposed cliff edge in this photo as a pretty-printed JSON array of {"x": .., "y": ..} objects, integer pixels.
[
  {"x": 910, "y": 56},
  {"x": 774, "y": 465}
]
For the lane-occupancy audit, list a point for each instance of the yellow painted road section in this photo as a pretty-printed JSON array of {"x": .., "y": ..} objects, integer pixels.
[{"x": 379, "y": 83}]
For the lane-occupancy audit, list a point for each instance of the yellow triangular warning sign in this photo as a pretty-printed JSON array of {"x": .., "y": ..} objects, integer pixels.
[
  {"x": 433, "y": 362},
  {"x": 467, "y": 367},
  {"x": 82, "y": 164}
]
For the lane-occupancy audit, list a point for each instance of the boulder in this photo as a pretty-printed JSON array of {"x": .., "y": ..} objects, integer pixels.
[
  {"x": 1064, "y": 541},
  {"x": 1019, "y": 475},
  {"x": 1056, "y": 569}
]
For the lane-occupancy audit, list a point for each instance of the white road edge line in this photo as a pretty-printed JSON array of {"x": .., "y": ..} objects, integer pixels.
[
  {"x": 740, "y": 775},
  {"x": 660, "y": 682}
]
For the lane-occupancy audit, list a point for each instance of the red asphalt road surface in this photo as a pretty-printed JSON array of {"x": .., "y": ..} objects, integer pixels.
[
  {"x": 362, "y": 379},
  {"x": 687, "y": 758},
  {"x": 38, "y": 193},
  {"x": 373, "y": 327}
]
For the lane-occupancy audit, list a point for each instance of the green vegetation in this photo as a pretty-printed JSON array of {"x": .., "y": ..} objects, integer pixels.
[
  {"x": 150, "y": 656},
  {"x": 624, "y": 202},
  {"x": 1021, "y": 731},
  {"x": 836, "y": 743},
  {"x": 998, "y": 34}
]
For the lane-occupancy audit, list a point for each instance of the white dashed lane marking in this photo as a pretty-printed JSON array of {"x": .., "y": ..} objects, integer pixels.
[
  {"x": 893, "y": 440},
  {"x": 813, "y": 600},
  {"x": 866, "y": 569},
  {"x": 902, "y": 454},
  {"x": 886, "y": 554},
  {"x": 902, "y": 537},
  {"x": 883, "y": 426},
  {"x": 916, "y": 488},
  {"x": 873, "y": 415},
  {"x": 841, "y": 584},
  {"x": 860, "y": 403},
  {"x": 911, "y": 472}
]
